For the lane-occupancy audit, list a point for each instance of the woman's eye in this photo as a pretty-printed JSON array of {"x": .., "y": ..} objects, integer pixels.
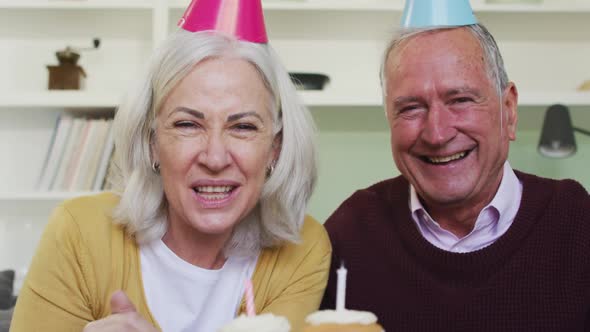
[
  {"x": 184, "y": 124},
  {"x": 245, "y": 127}
]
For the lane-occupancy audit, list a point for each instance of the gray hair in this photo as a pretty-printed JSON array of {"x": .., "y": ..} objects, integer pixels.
[
  {"x": 494, "y": 62},
  {"x": 280, "y": 211}
]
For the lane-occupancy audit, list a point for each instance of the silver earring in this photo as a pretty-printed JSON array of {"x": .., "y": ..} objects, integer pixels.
[
  {"x": 156, "y": 167},
  {"x": 270, "y": 170}
]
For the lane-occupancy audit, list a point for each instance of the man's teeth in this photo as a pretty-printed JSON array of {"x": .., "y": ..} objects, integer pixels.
[{"x": 440, "y": 160}]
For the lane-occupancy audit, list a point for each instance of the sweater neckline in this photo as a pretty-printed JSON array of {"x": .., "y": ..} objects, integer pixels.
[{"x": 535, "y": 196}]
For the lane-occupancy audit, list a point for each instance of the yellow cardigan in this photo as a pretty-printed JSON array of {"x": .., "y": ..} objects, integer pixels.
[{"x": 83, "y": 258}]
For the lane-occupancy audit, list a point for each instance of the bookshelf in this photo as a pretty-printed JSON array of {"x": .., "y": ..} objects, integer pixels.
[
  {"x": 546, "y": 49},
  {"x": 72, "y": 4},
  {"x": 60, "y": 99}
]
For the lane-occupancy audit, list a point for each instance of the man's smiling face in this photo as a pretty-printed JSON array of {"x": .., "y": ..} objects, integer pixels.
[{"x": 448, "y": 135}]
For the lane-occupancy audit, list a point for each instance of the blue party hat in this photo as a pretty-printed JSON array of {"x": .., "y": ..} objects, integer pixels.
[{"x": 434, "y": 13}]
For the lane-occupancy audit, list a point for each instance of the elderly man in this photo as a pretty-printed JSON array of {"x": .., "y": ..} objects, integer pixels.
[{"x": 460, "y": 241}]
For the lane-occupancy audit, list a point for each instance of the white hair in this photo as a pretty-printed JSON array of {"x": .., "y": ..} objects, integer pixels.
[
  {"x": 281, "y": 209},
  {"x": 492, "y": 57}
]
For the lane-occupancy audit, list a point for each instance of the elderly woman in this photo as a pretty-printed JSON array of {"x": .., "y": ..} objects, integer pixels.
[{"x": 215, "y": 165}]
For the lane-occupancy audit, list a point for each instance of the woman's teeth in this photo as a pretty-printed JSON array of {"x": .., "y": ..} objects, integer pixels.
[
  {"x": 213, "y": 192},
  {"x": 213, "y": 189}
]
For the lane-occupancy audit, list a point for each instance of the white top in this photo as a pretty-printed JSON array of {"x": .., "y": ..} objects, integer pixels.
[
  {"x": 260, "y": 323},
  {"x": 184, "y": 297},
  {"x": 493, "y": 221}
]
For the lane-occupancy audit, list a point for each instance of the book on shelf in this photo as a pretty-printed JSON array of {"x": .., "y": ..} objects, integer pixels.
[
  {"x": 91, "y": 147},
  {"x": 70, "y": 155},
  {"x": 105, "y": 161},
  {"x": 81, "y": 152},
  {"x": 78, "y": 155},
  {"x": 86, "y": 181},
  {"x": 55, "y": 152}
]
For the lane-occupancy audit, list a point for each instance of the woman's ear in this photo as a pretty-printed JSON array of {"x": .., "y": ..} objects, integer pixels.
[
  {"x": 154, "y": 153},
  {"x": 277, "y": 144}
]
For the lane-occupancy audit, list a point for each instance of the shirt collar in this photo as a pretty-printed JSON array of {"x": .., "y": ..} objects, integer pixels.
[{"x": 503, "y": 202}]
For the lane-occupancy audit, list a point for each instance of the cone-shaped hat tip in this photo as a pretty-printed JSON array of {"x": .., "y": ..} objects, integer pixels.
[
  {"x": 243, "y": 19},
  {"x": 434, "y": 13}
]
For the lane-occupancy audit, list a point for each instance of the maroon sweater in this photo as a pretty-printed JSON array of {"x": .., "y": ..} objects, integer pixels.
[{"x": 536, "y": 277}]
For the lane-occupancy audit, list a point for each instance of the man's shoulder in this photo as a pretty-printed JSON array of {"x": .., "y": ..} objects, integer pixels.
[
  {"x": 565, "y": 200},
  {"x": 556, "y": 188},
  {"x": 382, "y": 191}
]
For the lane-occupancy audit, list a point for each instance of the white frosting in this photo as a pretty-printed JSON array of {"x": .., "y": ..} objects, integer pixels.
[
  {"x": 341, "y": 317},
  {"x": 259, "y": 323}
]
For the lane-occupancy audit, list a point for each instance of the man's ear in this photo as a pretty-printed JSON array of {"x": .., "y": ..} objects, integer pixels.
[{"x": 510, "y": 110}]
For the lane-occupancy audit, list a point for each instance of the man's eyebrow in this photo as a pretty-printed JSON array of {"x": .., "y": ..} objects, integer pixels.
[
  {"x": 397, "y": 102},
  {"x": 458, "y": 91},
  {"x": 182, "y": 109},
  {"x": 241, "y": 115}
]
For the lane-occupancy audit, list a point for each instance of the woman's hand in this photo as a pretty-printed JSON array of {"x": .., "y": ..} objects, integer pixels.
[{"x": 124, "y": 318}]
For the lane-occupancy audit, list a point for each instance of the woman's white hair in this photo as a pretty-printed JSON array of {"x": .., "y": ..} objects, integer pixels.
[
  {"x": 280, "y": 211},
  {"x": 493, "y": 58}
]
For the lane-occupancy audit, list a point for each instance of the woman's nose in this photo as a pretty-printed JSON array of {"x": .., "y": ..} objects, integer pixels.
[{"x": 215, "y": 156}]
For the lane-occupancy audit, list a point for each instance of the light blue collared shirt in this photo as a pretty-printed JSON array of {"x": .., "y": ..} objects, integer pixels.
[{"x": 492, "y": 222}]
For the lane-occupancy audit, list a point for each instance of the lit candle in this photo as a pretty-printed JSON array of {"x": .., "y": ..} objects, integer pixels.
[{"x": 341, "y": 287}]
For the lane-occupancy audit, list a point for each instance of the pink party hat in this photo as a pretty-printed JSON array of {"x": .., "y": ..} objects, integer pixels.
[{"x": 240, "y": 18}]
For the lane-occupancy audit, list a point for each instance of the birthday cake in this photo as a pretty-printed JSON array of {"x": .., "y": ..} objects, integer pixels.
[
  {"x": 342, "y": 321},
  {"x": 258, "y": 323}
]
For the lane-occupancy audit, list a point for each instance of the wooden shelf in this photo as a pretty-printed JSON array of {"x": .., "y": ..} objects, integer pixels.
[
  {"x": 338, "y": 5},
  {"x": 533, "y": 8},
  {"x": 82, "y": 100},
  {"x": 60, "y": 99},
  {"x": 50, "y": 196},
  {"x": 530, "y": 99},
  {"x": 389, "y": 5},
  {"x": 75, "y": 4},
  {"x": 539, "y": 98}
]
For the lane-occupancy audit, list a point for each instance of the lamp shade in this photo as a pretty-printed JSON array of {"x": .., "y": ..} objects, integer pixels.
[
  {"x": 437, "y": 13},
  {"x": 557, "y": 136}
]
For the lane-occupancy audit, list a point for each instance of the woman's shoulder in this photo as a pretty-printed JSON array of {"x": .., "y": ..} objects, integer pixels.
[
  {"x": 98, "y": 203},
  {"x": 313, "y": 233},
  {"x": 294, "y": 273},
  {"x": 313, "y": 244},
  {"x": 88, "y": 218}
]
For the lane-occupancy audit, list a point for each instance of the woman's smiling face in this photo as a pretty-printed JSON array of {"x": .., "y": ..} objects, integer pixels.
[{"x": 214, "y": 142}]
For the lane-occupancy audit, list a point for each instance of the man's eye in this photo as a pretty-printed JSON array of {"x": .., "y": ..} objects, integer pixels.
[
  {"x": 462, "y": 100},
  {"x": 408, "y": 108}
]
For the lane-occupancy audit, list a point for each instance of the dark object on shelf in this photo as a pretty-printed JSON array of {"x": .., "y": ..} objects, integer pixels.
[
  {"x": 309, "y": 81},
  {"x": 67, "y": 75},
  {"x": 557, "y": 136},
  {"x": 7, "y": 299}
]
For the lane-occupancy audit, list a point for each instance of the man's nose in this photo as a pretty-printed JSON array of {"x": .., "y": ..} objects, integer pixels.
[{"x": 439, "y": 127}]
